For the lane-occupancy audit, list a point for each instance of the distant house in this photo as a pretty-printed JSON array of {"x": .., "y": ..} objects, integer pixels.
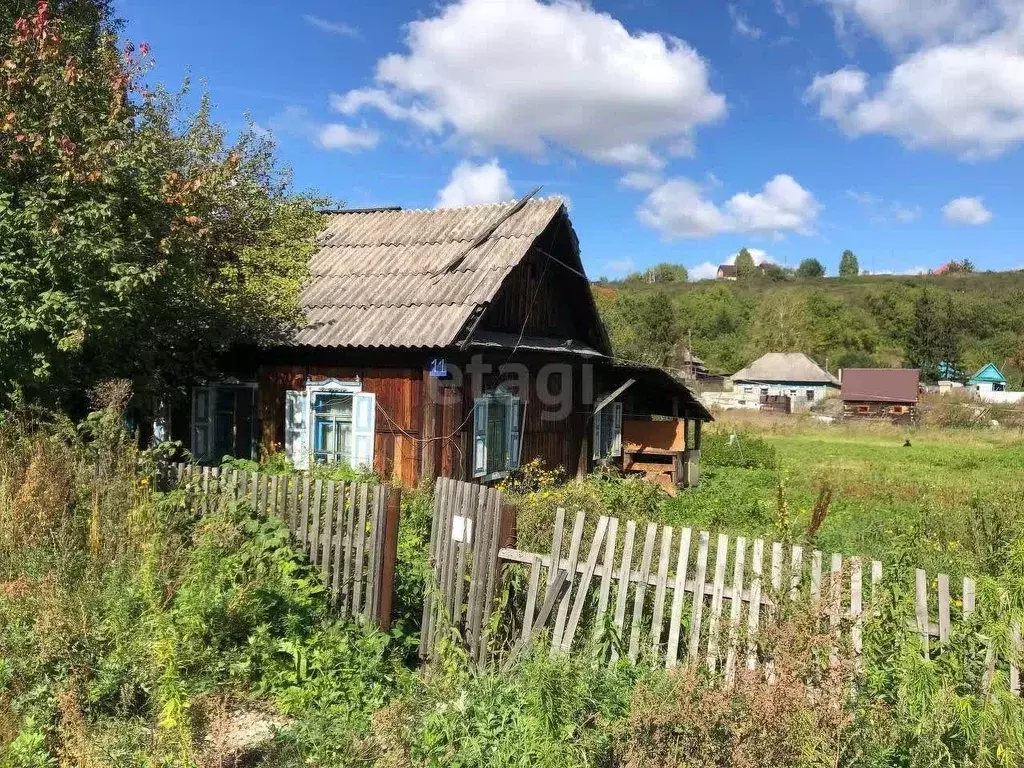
[
  {"x": 988, "y": 379},
  {"x": 460, "y": 342},
  {"x": 880, "y": 393},
  {"x": 791, "y": 376},
  {"x": 728, "y": 271}
]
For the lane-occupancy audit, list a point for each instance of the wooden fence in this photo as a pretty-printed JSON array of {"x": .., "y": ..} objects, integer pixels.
[
  {"x": 348, "y": 529},
  {"x": 668, "y": 593}
]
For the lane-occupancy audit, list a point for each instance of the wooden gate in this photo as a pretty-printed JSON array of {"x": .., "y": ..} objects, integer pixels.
[{"x": 347, "y": 529}]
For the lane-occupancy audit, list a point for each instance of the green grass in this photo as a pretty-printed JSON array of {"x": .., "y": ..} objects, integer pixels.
[{"x": 944, "y": 503}]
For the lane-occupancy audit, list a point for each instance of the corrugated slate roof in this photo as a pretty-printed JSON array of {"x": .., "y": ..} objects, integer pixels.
[
  {"x": 785, "y": 367},
  {"x": 377, "y": 282},
  {"x": 881, "y": 385}
]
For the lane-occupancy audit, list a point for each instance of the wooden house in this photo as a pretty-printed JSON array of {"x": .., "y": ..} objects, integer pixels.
[
  {"x": 784, "y": 381},
  {"x": 880, "y": 393},
  {"x": 460, "y": 342}
]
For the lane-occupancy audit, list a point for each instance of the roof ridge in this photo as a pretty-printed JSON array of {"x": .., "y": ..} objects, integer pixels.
[{"x": 480, "y": 206}]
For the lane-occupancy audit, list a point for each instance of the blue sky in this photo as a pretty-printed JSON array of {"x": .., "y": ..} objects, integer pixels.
[{"x": 678, "y": 130}]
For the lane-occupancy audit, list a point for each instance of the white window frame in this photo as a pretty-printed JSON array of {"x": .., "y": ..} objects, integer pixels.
[
  {"x": 300, "y": 426},
  {"x": 513, "y": 434},
  {"x": 613, "y": 409}
]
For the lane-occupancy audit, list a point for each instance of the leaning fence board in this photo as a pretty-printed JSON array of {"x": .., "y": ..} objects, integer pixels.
[
  {"x": 1016, "y": 651},
  {"x": 721, "y": 557},
  {"x": 678, "y": 596},
  {"x": 698, "y": 596},
  {"x": 584, "y": 585},
  {"x": 754, "y": 617},
  {"x": 624, "y": 571},
  {"x": 943, "y": 608},
  {"x": 921, "y": 606},
  {"x": 532, "y": 589},
  {"x": 857, "y": 602},
  {"x": 660, "y": 589},
  {"x": 968, "y": 597},
  {"x": 640, "y": 590},
  {"x": 563, "y": 606},
  {"x": 611, "y": 539},
  {"x": 735, "y": 608},
  {"x": 795, "y": 571}
]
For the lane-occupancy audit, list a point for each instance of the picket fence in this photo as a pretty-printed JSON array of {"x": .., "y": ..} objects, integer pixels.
[
  {"x": 668, "y": 594},
  {"x": 347, "y": 529}
]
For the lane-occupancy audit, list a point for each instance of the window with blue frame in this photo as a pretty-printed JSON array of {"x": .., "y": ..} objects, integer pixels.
[
  {"x": 496, "y": 434},
  {"x": 332, "y": 427},
  {"x": 331, "y": 421}
]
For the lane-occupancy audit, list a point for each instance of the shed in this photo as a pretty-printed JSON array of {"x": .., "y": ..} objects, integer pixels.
[
  {"x": 881, "y": 393},
  {"x": 461, "y": 342}
]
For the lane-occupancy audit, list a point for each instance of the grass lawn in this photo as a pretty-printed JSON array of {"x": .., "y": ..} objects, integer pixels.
[{"x": 946, "y": 503}]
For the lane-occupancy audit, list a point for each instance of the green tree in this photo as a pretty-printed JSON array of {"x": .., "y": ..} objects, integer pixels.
[
  {"x": 643, "y": 326},
  {"x": 745, "y": 266},
  {"x": 810, "y": 268},
  {"x": 660, "y": 274},
  {"x": 848, "y": 266},
  {"x": 930, "y": 339},
  {"x": 135, "y": 239}
]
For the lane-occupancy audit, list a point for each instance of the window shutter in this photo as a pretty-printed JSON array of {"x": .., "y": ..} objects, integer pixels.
[
  {"x": 364, "y": 417},
  {"x": 480, "y": 436},
  {"x": 598, "y": 418},
  {"x": 296, "y": 428},
  {"x": 616, "y": 441},
  {"x": 202, "y": 422},
  {"x": 514, "y": 432}
]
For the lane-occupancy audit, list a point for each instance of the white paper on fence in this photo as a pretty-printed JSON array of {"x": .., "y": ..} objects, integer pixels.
[{"x": 462, "y": 529}]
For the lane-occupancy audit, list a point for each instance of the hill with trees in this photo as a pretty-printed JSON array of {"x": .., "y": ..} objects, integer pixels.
[{"x": 962, "y": 318}]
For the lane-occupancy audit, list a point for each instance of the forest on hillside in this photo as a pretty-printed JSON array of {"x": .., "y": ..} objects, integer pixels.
[{"x": 963, "y": 319}]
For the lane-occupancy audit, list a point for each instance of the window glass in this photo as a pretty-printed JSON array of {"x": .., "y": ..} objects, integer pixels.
[
  {"x": 332, "y": 427},
  {"x": 810, "y": 394},
  {"x": 497, "y": 434}
]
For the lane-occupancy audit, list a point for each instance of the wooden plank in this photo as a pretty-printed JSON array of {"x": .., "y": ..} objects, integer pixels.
[
  {"x": 611, "y": 540},
  {"x": 556, "y": 546},
  {"x": 430, "y": 598},
  {"x": 325, "y": 534},
  {"x": 478, "y": 570},
  {"x": 943, "y": 608},
  {"x": 358, "y": 566},
  {"x": 272, "y": 507},
  {"x": 493, "y": 574},
  {"x": 304, "y": 523},
  {"x": 921, "y": 607},
  {"x": 574, "y": 553},
  {"x": 338, "y": 542},
  {"x": 470, "y": 516},
  {"x": 721, "y": 557},
  {"x": 389, "y": 553},
  {"x": 658, "y": 617},
  {"x": 969, "y": 597},
  {"x": 835, "y": 590},
  {"x": 348, "y": 567},
  {"x": 254, "y": 482},
  {"x": 754, "y": 609},
  {"x": 816, "y": 576},
  {"x": 735, "y": 608},
  {"x": 583, "y": 588},
  {"x": 293, "y": 504},
  {"x": 553, "y": 595},
  {"x": 698, "y": 596},
  {"x": 373, "y": 551},
  {"x": 456, "y": 500},
  {"x": 678, "y": 596},
  {"x": 795, "y": 571},
  {"x": 314, "y": 541},
  {"x": 625, "y": 567},
  {"x": 640, "y": 590},
  {"x": 777, "y": 575},
  {"x": 264, "y": 497},
  {"x": 857, "y": 603},
  {"x": 532, "y": 590}
]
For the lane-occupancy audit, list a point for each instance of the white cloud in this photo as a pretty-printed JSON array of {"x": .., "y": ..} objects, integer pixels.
[
  {"x": 899, "y": 22},
  {"x": 968, "y": 211},
  {"x": 961, "y": 90},
  {"x": 881, "y": 211},
  {"x": 640, "y": 180},
  {"x": 741, "y": 24},
  {"x": 679, "y": 208},
  {"x": 338, "y": 136},
  {"x": 472, "y": 184},
  {"x": 297, "y": 122},
  {"x": 526, "y": 75},
  {"x": 333, "y": 27}
]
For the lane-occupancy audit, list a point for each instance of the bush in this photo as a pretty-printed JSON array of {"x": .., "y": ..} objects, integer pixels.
[{"x": 737, "y": 449}]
